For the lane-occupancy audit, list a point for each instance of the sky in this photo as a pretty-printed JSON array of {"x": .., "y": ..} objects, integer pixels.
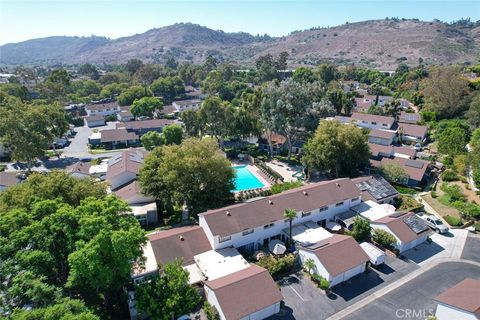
[{"x": 27, "y": 19}]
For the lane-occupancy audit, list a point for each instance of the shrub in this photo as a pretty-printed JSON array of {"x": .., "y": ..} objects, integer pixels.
[
  {"x": 361, "y": 229},
  {"x": 210, "y": 311},
  {"x": 321, "y": 282},
  {"x": 384, "y": 238},
  {"x": 450, "y": 175},
  {"x": 433, "y": 194},
  {"x": 453, "y": 191},
  {"x": 453, "y": 221},
  {"x": 324, "y": 284},
  {"x": 477, "y": 226},
  {"x": 277, "y": 265},
  {"x": 280, "y": 187}
]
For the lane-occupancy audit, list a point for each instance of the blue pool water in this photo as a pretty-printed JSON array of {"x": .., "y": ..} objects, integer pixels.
[{"x": 245, "y": 180}]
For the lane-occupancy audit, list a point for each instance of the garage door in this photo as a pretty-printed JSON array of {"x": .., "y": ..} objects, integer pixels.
[{"x": 353, "y": 272}]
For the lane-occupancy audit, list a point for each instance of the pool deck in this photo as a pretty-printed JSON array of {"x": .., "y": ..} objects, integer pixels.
[{"x": 254, "y": 170}]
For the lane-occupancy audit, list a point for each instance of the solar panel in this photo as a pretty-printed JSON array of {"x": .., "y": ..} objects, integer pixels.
[
  {"x": 378, "y": 187},
  {"x": 416, "y": 224},
  {"x": 414, "y": 164}
]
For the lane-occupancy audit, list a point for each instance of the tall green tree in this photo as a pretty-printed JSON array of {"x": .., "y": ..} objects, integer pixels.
[
  {"x": 194, "y": 172},
  {"x": 151, "y": 140},
  {"x": 473, "y": 113},
  {"x": 452, "y": 140},
  {"x": 146, "y": 106},
  {"x": 290, "y": 214},
  {"x": 216, "y": 118},
  {"x": 128, "y": 96},
  {"x": 394, "y": 173},
  {"x": 167, "y": 295},
  {"x": 168, "y": 88},
  {"x": 172, "y": 134},
  {"x": 337, "y": 149}
]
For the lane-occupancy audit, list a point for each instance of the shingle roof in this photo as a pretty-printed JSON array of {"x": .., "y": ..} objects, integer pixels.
[
  {"x": 261, "y": 212},
  {"x": 409, "y": 117},
  {"x": 102, "y": 106},
  {"x": 373, "y": 118},
  {"x": 96, "y": 117},
  {"x": 145, "y": 124},
  {"x": 8, "y": 179},
  {"x": 113, "y": 135},
  {"x": 128, "y": 160},
  {"x": 183, "y": 242},
  {"x": 339, "y": 253},
  {"x": 381, "y": 134},
  {"x": 414, "y": 172},
  {"x": 400, "y": 228},
  {"x": 245, "y": 292},
  {"x": 79, "y": 167},
  {"x": 465, "y": 295},
  {"x": 413, "y": 130},
  {"x": 128, "y": 190}
]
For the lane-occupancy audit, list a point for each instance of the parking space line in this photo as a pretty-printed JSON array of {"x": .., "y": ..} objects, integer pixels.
[{"x": 298, "y": 294}]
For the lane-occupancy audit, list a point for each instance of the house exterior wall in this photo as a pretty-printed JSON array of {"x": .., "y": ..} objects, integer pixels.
[
  {"x": 212, "y": 299},
  {"x": 446, "y": 312},
  {"x": 400, "y": 246},
  {"x": 259, "y": 233},
  {"x": 96, "y": 123},
  {"x": 372, "y": 125},
  {"x": 381, "y": 141},
  {"x": 264, "y": 313},
  {"x": 103, "y": 112}
]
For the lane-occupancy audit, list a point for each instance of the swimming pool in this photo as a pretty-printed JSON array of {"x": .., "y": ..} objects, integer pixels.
[{"x": 245, "y": 180}]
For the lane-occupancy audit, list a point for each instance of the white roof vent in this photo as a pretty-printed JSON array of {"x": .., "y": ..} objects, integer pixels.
[
  {"x": 228, "y": 213},
  {"x": 182, "y": 238},
  {"x": 337, "y": 184},
  {"x": 270, "y": 202},
  {"x": 305, "y": 193}
]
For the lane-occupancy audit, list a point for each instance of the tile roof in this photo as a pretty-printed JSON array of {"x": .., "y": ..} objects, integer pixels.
[
  {"x": 269, "y": 209},
  {"x": 114, "y": 135},
  {"x": 464, "y": 295},
  {"x": 339, "y": 254},
  {"x": 184, "y": 242},
  {"x": 396, "y": 223},
  {"x": 245, "y": 292}
]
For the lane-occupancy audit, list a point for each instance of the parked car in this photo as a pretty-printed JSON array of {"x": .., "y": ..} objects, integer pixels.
[{"x": 433, "y": 222}]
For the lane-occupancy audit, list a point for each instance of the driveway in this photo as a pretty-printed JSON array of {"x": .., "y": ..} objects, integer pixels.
[
  {"x": 303, "y": 300},
  {"x": 414, "y": 300},
  {"x": 471, "y": 251},
  {"x": 78, "y": 147}
]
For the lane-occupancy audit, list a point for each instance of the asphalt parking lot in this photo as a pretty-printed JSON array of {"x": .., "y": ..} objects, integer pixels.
[
  {"x": 471, "y": 250},
  {"x": 303, "y": 300},
  {"x": 414, "y": 300}
]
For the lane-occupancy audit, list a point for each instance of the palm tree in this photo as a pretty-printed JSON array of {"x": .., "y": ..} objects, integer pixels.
[
  {"x": 290, "y": 214},
  {"x": 309, "y": 265}
]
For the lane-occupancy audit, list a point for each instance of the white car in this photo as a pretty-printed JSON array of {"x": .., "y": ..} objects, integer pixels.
[{"x": 433, "y": 222}]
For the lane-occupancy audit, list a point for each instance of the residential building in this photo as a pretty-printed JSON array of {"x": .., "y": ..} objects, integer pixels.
[
  {"x": 114, "y": 137},
  {"x": 337, "y": 258},
  {"x": 145, "y": 213},
  {"x": 278, "y": 143},
  {"x": 79, "y": 170},
  {"x": 247, "y": 226},
  {"x": 369, "y": 121},
  {"x": 95, "y": 120},
  {"x": 378, "y": 151},
  {"x": 183, "y": 105},
  {"x": 132, "y": 194},
  {"x": 382, "y": 137},
  {"x": 8, "y": 179},
  {"x": 408, "y": 229},
  {"x": 460, "y": 302},
  {"x": 249, "y": 293},
  {"x": 412, "y": 133},
  {"x": 406, "y": 117},
  {"x": 417, "y": 170},
  {"x": 103, "y": 109},
  {"x": 144, "y": 126},
  {"x": 125, "y": 114},
  {"x": 376, "y": 188},
  {"x": 123, "y": 168}
]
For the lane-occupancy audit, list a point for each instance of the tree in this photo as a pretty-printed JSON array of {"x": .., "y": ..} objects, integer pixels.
[
  {"x": 56, "y": 85},
  {"x": 460, "y": 162},
  {"x": 266, "y": 68},
  {"x": 133, "y": 65},
  {"x": 473, "y": 113},
  {"x": 309, "y": 264},
  {"x": 327, "y": 72},
  {"x": 303, "y": 75},
  {"x": 384, "y": 238},
  {"x": 151, "y": 140},
  {"x": 337, "y": 149},
  {"x": 29, "y": 130},
  {"x": 194, "y": 173},
  {"x": 172, "y": 134},
  {"x": 64, "y": 309},
  {"x": 445, "y": 91},
  {"x": 210, "y": 311},
  {"x": 452, "y": 140},
  {"x": 133, "y": 93},
  {"x": 192, "y": 123},
  {"x": 167, "y": 295},
  {"x": 168, "y": 88},
  {"x": 89, "y": 70},
  {"x": 394, "y": 173},
  {"x": 216, "y": 117},
  {"x": 361, "y": 229},
  {"x": 146, "y": 106},
  {"x": 290, "y": 214},
  {"x": 147, "y": 74}
]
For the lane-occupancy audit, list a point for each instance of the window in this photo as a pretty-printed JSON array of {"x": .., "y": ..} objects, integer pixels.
[
  {"x": 268, "y": 225},
  {"x": 384, "y": 124},
  {"x": 306, "y": 214},
  {"x": 324, "y": 208},
  {"x": 223, "y": 239},
  {"x": 374, "y": 123},
  {"x": 339, "y": 204},
  {"x": 355, "y": 199},
  {"x": 247, "y": 232}
]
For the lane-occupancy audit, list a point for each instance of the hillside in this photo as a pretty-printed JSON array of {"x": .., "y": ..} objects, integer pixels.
[{"x": 379, "y": 43}]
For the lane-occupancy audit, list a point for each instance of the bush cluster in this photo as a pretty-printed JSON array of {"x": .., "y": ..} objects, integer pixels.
[
  {"x": 277, "y": 266},
  {"x": 383, "y": 238},
  {"x": 453, "y": 221}
]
